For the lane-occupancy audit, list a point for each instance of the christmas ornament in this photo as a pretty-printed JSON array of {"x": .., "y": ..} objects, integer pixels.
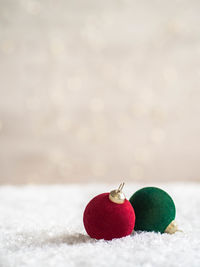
[
  {"x": 109, "y": 215},
  {"x": 154, "y": 210}
]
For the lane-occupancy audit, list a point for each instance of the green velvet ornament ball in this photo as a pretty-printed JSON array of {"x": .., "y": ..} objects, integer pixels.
[{"x": 154, "y": 209}]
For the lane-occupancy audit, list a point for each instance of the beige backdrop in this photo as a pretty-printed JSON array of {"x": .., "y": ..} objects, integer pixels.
[{"x": 99, "y": 90}]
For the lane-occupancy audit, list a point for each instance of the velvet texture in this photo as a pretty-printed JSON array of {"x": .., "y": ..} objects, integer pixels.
[
  {"x": 104, "y": 219},
  {"x": 154, "y": 209}
]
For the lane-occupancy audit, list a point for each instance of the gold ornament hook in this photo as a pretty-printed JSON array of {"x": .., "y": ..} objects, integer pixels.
[
  {"x": 120, "y": 187},
  {"x": 117, "y": 196}
]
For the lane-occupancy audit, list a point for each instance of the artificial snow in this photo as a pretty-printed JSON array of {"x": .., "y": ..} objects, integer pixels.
[{"x": 41, "y": 226}]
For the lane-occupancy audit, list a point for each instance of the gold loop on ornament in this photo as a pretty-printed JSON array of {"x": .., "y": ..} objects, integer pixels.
[{"x": 117, "y": 196}]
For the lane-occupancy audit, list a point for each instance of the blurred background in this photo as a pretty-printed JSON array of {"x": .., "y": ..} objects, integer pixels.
[{"x": 94, "y": 91}]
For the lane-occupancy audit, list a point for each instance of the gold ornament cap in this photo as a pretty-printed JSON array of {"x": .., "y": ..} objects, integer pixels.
[
  {"x": 117, "y": 196},
  {"x": 172, "y": 228}
]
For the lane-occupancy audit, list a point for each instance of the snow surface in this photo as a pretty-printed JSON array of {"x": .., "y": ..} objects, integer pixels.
[{"x": 41, "y": 226}]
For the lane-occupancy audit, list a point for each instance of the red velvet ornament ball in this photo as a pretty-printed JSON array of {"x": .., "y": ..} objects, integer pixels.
[{"x": 105, "y": 219}]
